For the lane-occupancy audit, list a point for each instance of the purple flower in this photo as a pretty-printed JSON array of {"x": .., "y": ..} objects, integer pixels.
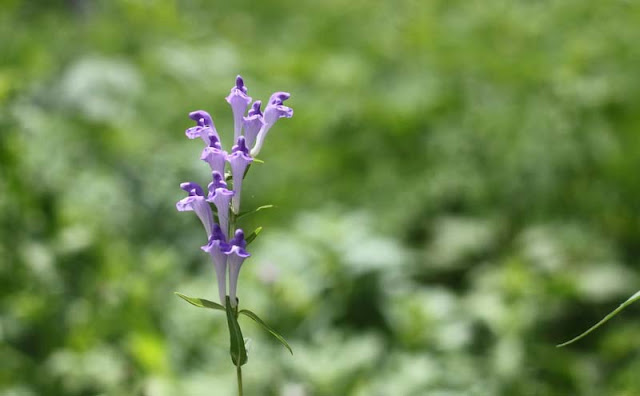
[
  {"x": 205, "y": 127},
  {"x": 239, "y": 160},
  {"x": 221, "y": 197},
  {"x": 274, "y": 111},
  {"x": 217, "y": 247},
  {"x": 253, "y": 122},
  {"x": 249, "y": 131},
  {"x": 236, "y": 254},
  {"x": 214, "y": 155},
  {"x": 239, "y": 101},
  {"x": 197, "y": 202}
]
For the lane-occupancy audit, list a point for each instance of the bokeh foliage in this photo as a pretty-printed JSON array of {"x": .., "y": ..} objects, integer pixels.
[{"x": 457, "y": 193}]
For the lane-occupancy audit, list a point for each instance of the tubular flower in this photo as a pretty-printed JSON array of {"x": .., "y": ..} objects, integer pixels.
[
  {"x": 216, "y": 247},
  {"x": 197, "y": 203},
  {"x": 274, "y": 111},
  {"x": 221, "y": 198},
  {"x": 239, "y": 160},
  {"x": 239, "y": 101},
  {"x": 253, "y": 122},
  {"x": 236, "y": 254},
  {"x": 214, "y": 155},
  {"x": 205, "y": 127},
  {"x": 250, "y": 130}
]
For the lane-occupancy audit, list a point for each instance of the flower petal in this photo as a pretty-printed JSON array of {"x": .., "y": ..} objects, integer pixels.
[
  {"x": 236, "y": 255},
  {"x": 214, "y": 155},
  {"x": 253, "y": 123},
  {"x": 204, "y": 127},
  {"x": 216, "y": 248},
  {"x": 239, "y": 159},
  {"x": 197, "y": 203},
  {"x": 221, "y": 198},
  {"x": 239, "y": 101},
  {"x": 272, "y": 113}
]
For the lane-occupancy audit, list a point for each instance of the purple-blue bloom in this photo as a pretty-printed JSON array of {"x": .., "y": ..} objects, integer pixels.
[
  {"x": 214, "y": 155},
  {"x": 217, "y": 247},
  {"x": 221, "y": 197},
  {"x": 236, "y": 254},
  {"x": 205, "y": 127},
  {"x": 250, "y": 130},
  {"x": 239, "y": 160},
  {"x": 239, "y": 101},
  {"x": 253, "y": 122},
  {"x": 197, "y": 203},
  {"x": 274, "y": 111}
]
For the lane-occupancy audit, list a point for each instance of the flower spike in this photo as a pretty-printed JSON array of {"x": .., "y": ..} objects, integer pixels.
[
  {"x": 253, "y": 122},
  {"x": 226, "y": 247},
  {"x": 205, "y": 127},
  {"x": 214, "y": 155},
  {"x": 216, "y": 247},
  {"x": 274, "y": 111},
  {"x": 239, "y": 101},
  {"x": 221, "y": 197},
  {"x": 197, "y": 203},
  {"x": 236, "y": 254},
  {"x": 239, "y": 160}
]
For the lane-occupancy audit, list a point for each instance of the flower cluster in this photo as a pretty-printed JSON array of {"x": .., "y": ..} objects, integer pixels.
[{"x": 249, "y": 130}]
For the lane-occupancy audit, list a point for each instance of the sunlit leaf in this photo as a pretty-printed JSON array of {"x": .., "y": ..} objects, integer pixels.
[
  {"x": 259, "y": 208},
  {"x": 200, "y": 302},
  {"x": 622, "y": 306},
  {"x": 265, "y": 326},
  {"x": 253, "y": 235}
]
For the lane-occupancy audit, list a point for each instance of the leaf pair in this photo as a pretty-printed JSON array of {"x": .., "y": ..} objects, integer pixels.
[{"x": 238, "y": 350}]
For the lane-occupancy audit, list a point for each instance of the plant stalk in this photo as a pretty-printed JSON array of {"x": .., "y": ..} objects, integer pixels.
[{"x": 239, "y": 372}]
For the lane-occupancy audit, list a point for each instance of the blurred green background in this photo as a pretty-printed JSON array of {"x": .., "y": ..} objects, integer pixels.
[{"x": 457, "y": 192}]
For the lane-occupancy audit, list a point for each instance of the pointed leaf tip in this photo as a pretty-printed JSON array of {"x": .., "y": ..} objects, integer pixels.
[
  {"x": 622, "y": 306},
  {"x": 259, "y": 208},
  {"x": 268, "y": 328},
  {"x": 253, "y": 235},
  {"x": 201, "y": 302}
]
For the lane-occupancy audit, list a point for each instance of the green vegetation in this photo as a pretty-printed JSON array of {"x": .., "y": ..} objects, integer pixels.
[{"x": 465, "y": 196}]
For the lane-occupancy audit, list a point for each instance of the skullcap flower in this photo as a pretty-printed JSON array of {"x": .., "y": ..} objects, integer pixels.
[
  {"x": 196, "y": 202},
  {"x": 239, "y": 101},
  {"x": 274, "y": 111},
  {"x": 216, "y": 247},
  {"x": 253, "y": 122},
  {"x": 204, "y": 127},
  {"x": 236, "y": 254},
  {"x": 214, "y": 155},
  {"x": 239, "y": 160},
  {"x": 221, "y": 198}
]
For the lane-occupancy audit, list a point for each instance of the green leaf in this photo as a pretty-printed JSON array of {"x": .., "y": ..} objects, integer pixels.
[
  {"x": 622, "y": 306},
  {"x": 246, "y": 171},
  {"x": 201, "y": 302},
  {"x": 265, "y": 326},
  {"x": 236, "y": 340},
  {"x": 253, "y": 235},
  {"x": 259, "y": 208},
  {"x": 257, "y": 160}
]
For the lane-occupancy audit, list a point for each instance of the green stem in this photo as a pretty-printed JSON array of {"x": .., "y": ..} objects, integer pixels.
[{"x": 239, "y": 372}]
